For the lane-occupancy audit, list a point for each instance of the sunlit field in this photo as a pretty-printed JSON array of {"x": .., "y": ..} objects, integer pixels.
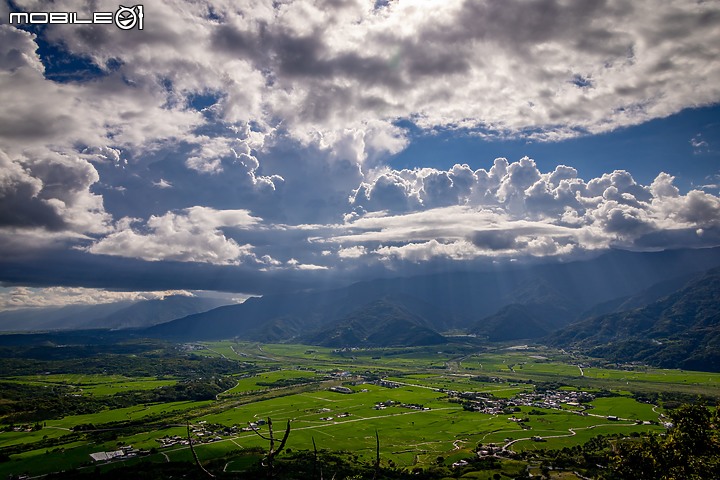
[{"x": 418, "y": 417}]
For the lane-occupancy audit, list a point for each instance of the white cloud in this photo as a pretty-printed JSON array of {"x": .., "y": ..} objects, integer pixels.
[
  {"x": 46, "y": 197},
  {"x": 162, "y": 183},
  {"x": 193, "y": 235},
  {"x": 24, "y": 297},
  {"x": 352, "y": 67},
  {"x": 423, "y": 252},
  {"x": 514, "y": 209},
  {"x": 294, "y": 264},
  {"x": 699, "y": 145},
  {"x": 289, "y": 110},
  {"x": 356, "y": 251}
]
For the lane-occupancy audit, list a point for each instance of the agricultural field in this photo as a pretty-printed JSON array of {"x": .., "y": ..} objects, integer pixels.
[
  {"x": 428, "y": 406},
  {"x": 93, "y": 384}
]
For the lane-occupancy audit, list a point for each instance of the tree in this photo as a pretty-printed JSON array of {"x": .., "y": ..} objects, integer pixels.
[
  {"x": 690, "y": 450},
  {"x": 272, "y": 451}
]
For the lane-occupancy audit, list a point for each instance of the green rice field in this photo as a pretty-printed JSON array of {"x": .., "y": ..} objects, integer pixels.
[{"x": 417, "y": 421}]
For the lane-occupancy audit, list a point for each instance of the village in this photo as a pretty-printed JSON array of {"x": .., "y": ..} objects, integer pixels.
[
  {"x": 551, "y": 399},
  {"x": 202, "y": 432}
]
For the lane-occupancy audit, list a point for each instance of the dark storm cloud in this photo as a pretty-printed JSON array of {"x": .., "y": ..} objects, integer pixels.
[
  {"x": 72, "y": 268},
  {"x": 681, "y": 238},
  {"x": 45, "y": 190},
  {"x": 282, "y": 56},
  {"x": 495, "y": 239},
  {"x": 20, "y": 207}
]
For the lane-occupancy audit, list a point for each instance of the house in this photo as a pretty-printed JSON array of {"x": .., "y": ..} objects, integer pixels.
[
  {"x": 341, "y": 390},
  {"x": 106, "y": 456}
]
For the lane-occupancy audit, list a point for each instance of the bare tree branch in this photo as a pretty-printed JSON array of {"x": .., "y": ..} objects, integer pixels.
[
  {"x": 272, "y": 451},
  {"x": 377, "y": 458},
  {"x": 192, "y": 449}
]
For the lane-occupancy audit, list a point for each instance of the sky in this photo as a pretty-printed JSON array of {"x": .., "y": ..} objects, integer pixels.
[{"x": 256, "y": 146}]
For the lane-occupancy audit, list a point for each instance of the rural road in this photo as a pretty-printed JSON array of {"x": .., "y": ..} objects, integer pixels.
[{"x": 571, "y": 434}]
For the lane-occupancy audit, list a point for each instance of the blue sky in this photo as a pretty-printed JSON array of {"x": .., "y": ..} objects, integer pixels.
[
  {"x": 253, "y": 146},
  {"x": 664, "y": 144}
]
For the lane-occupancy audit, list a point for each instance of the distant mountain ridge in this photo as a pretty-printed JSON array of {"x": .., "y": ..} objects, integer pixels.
[
  {"x": 382, "y": 323},
  {"x": 661, "y": 308},
  {"x": 511, "y": 303},
  {"x": 681, "y": 330}
]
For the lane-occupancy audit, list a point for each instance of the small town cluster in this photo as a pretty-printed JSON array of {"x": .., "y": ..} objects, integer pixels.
[{"x": 552, "y": 399}]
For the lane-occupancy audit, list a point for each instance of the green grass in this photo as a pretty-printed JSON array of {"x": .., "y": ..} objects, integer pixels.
[
  {"x": 250, "y": 384},
  {"x": 556, "y": 367},
  {"x": 136, "y": 412},
  {"x": 96, "y": 385},
  {"x": 623, "y": 407},
  {"x": 408, "y": 437},
  {"x": 17, "y": 438}
]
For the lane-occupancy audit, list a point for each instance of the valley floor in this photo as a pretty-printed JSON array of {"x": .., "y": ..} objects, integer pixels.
[{"x": 439, "y": 407}]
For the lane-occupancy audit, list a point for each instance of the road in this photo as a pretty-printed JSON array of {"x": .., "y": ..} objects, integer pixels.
[{"x": 571, "y": 434}]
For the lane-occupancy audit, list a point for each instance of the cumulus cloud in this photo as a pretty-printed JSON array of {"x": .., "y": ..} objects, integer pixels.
[
  {"x": 515, "y": 209},
  {"x": 337, "y": 77},
  {"x": 193, "y": 235},
  {"x": 46, "y": 197},
  {"x": 423, "y": 252},
  {"x": 244, "y": 132},
  {"x": 586, "y": 66},
  {"x": 214, "y": 155}
]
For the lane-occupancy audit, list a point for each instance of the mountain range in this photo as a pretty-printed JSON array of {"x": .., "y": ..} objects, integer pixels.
[
  {"x": 658, "y": 307},
  {"x": 680, "y": 330},
  {"x": 525, "y": 302}
]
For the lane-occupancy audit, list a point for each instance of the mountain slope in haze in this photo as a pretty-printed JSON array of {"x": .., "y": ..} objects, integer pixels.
[
  {"x": 540, "y": 308},
  {"x": 555, "y": 294},
  {"x": 649, "y": 295},
  {"x": 283, "y": 318},
  {"x": 56, "y": 318},
  {"x": 514, "y": 322},
  {"x": 379, "y": 324},
  {"x": 139, "y": 314},
  {"x": 681, "y": 330},
  {"x": 255, "y": 319},
  {"x": 152, "y": 312}
]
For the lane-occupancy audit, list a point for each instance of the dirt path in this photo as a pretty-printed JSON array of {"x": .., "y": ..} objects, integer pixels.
[
  {"x": 456, "y": 444},
  {"x": 416, "y": 385},
  {"x": 217, "y": 397},
  {"x": 571, "y": 434},
  {"x": 217, "y": 353}
]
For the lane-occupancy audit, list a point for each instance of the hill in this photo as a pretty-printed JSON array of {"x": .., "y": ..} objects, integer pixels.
[
  {"x": 378, "y": 324},
  {"x": 553, "y": 295},
  {"x": 681, "y": 330},
  {"x": 513, "y": 322}
]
